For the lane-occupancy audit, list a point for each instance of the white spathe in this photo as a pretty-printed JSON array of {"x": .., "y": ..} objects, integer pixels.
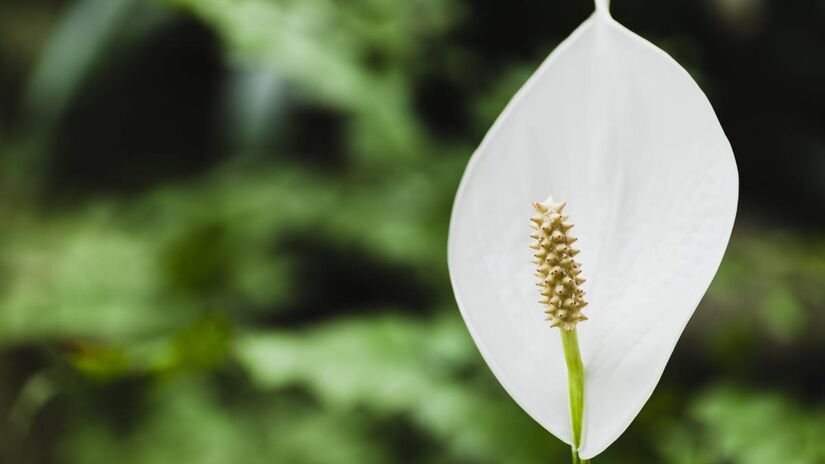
[{"x": 616, "y": 128}]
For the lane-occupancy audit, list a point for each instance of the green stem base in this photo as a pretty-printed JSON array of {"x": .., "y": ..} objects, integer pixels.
[{"x": 575, "y": 382}]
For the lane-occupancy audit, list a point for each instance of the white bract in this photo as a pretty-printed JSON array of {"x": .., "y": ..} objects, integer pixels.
[{"x": 617, "y": 129}]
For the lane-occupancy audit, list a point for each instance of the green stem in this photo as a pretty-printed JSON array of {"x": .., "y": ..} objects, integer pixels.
[{"x": 575, "y": 382}]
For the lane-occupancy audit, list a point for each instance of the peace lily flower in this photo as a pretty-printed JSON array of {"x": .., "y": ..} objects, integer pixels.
[{"x": 616, "y": 128}]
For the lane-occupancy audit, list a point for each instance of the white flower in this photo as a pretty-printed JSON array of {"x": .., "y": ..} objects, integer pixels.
[{"x": 616, "y": 128}]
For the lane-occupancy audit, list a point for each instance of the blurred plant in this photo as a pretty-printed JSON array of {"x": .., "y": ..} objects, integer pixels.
[
  {"x": 735, "y": 425},
  {"x": 357, "y": 56}
]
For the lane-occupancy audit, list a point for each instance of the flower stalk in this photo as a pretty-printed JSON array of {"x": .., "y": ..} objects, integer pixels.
[{"x": 575, "y": 381}]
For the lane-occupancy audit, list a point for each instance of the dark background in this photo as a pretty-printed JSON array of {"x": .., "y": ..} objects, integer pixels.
[{"x": 223, "y": 231}]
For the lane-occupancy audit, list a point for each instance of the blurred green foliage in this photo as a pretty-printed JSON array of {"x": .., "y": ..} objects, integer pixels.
[{"x": 223, "y": 239}]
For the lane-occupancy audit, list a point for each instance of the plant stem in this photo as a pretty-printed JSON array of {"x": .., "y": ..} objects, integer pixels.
[
  {"x": 575, "y": 382},
  {"x": 575, "y": 455}
]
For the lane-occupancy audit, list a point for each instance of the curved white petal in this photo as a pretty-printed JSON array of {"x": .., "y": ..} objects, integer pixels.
[{"x": 617, "y": 129}]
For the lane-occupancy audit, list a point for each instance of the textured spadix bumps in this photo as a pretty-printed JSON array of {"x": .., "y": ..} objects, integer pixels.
[{"x": 557, "y": 270}]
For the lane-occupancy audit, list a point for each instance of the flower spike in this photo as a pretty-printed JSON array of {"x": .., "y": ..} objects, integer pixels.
[{"x": 560, "y": 288}]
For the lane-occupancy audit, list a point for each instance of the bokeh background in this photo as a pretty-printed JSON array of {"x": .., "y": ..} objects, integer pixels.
[{"x": 223, "y": 232}]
